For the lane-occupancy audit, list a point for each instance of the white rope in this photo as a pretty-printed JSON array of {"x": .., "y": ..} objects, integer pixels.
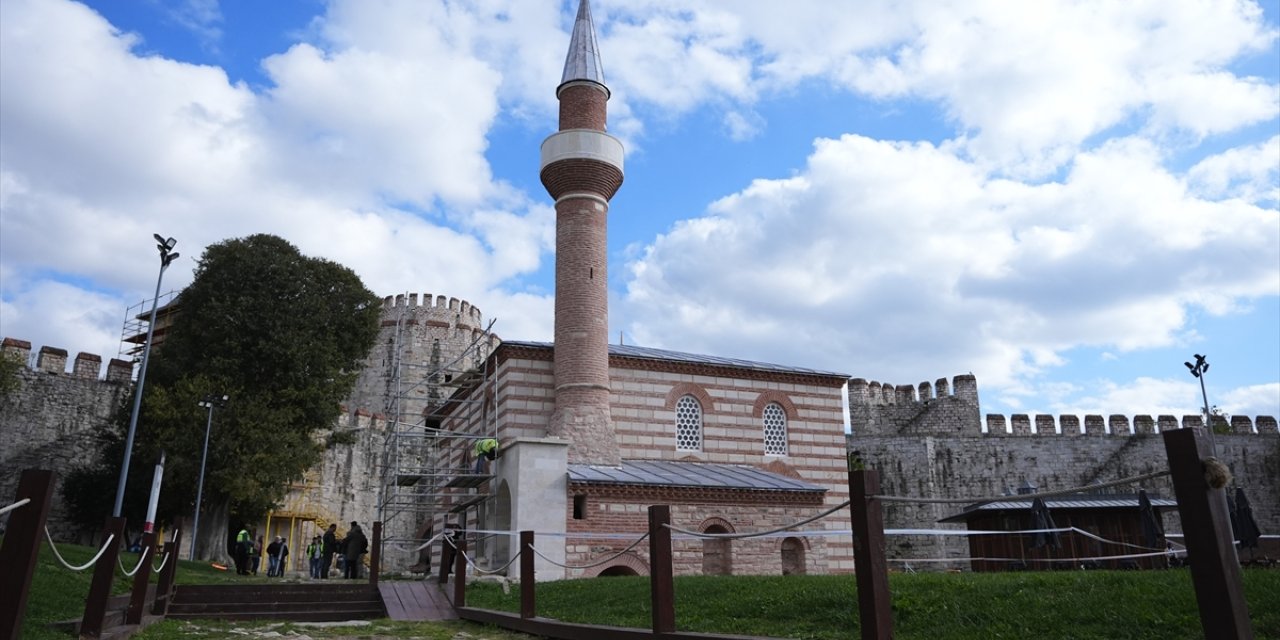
[
  {"x": 593, "y": 564},
  {"x": 477, "y": 567},
  {"x": 429, "y": 542},
  {"x": 758, "y": 534},
  {"x": 67, "y": 564},
  {"x": 1088, "y": 559},
  {"x": 142, "y": 556},
  {"x": 1024, "y": 496},
  {"x": 163, "y": 561},
  {"x": 14, "y": 506},
  {"x": 567, "y": 534}
]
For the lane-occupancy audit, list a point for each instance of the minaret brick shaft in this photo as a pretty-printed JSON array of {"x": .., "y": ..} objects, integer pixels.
[{"x": 582, "y": 169}]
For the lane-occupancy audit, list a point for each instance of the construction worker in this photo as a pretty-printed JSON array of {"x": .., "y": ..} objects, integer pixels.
[
  {"x": 244, "y": 542},
  {"x": 486, "y": 449}
]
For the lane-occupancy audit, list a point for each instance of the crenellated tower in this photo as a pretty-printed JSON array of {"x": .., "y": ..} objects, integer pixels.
[{"x": 581, "y": 168}]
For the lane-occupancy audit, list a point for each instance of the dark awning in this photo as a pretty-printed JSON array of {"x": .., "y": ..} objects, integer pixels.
[{"x": 1081, "y": 501}]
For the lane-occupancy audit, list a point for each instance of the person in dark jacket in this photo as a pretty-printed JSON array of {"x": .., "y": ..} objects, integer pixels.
[
  {"x": 356, "y": 545},
  {"x": 329, "y": 547}
]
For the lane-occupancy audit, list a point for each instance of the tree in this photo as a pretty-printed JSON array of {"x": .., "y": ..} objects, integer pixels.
[{"x": 284, "y": 336}]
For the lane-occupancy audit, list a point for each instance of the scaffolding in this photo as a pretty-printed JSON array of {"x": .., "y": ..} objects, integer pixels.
[
  {"x": 427, "y": 469},
  {"x": 133, "y": 334}
]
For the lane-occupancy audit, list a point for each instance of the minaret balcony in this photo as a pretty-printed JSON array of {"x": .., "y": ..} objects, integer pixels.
[{"x": 582, "y": 144}]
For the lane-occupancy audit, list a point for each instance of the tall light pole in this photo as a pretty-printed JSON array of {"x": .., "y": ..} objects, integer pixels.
[
  {"x": 1198, "y": 370},
  {"x": 210, "y": 401},
  {"x": 167, "y": 256}
]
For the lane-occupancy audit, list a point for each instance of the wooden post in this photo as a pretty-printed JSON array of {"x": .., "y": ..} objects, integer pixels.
[
  {"x": 446, "y": 556},
  {"x": 141, "y": 578},
  {"x": 662, "y": 591},
  {"x": 104, "y": 573},
  {"x": 21, "y": 549},
  {"x": 375, "y": 554},
  {"x": 875, "y": 616},
  {"x": 528, "y": 609},
  {"x": 164, "y": 590},
  {"x": 1206, "y": 523},
  {"x": 460, "y": 571}
]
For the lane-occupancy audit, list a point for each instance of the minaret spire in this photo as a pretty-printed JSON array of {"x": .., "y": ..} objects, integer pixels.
[
  {"x": 583, "y": 60},
  {"x": 582, "y": 169}
]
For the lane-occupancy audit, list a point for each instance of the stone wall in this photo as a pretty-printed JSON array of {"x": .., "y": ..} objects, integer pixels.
[
  {"x": 944, "y": 452},
  {"x": 48, "y": 420}
]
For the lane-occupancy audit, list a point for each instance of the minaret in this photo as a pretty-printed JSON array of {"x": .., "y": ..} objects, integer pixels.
[{"x": 582, "y": 169}]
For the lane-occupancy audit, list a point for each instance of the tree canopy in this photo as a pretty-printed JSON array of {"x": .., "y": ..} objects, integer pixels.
[{"x": 283, "y": 335}]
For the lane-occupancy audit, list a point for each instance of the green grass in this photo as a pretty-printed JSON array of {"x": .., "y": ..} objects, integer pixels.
[{"x": 1075, "y": 605}]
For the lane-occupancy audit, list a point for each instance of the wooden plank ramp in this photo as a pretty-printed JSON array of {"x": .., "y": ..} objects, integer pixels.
[{"x": 416, "y": 600}]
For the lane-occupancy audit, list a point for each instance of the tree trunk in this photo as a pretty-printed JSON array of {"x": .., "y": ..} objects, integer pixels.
[{"x": 211, "y": 545}]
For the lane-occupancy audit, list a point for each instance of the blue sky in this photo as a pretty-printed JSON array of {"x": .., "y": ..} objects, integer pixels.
[{"x": 1067, "y": 200}]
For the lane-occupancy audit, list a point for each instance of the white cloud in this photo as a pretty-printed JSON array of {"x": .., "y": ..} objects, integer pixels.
[
  {"x": 901, "y": 261},
  {"x": 1250, "y": 173}
]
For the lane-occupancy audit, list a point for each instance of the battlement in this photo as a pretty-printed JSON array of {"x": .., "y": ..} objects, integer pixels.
[
  {"x": 1020, "y": 424},
  {"x": 52, "y": 360},
  {"x": 439, "y": 307},
  {"x": 863, "y": 393}
]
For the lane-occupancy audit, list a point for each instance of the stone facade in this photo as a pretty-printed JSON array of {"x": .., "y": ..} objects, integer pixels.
[
  {"x": 520, "y": 398},
  {"x": 935, "y": 445},
  {"x": 48, "y": 421}
]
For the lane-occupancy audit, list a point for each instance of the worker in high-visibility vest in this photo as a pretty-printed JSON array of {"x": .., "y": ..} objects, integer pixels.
[
  {"x": 485, "y": 449},
  {"x": 244, "y": 542}
]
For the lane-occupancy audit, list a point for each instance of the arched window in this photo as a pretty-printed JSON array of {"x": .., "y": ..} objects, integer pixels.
[
  {"x": 775, "y": 430},
  {"x": 688, "y": 424},
  {"x": 717, "y": 555},
  {"x": 793, "y": 557}
]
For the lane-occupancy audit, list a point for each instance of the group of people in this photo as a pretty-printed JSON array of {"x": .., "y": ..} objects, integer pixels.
[{"x": 320, "y": 553}]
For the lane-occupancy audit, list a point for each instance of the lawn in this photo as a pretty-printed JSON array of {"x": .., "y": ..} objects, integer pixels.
[{"x": 1075, "y": 605}]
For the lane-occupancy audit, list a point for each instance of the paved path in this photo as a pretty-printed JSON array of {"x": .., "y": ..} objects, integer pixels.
[{"x": 415, "y": 600}]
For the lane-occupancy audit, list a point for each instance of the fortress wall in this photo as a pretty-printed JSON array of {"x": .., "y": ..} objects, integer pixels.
[
  {"x": 433, "y": 334},
  {"x": 929, "y": 457},
  {"x": 49, "y": 419}
]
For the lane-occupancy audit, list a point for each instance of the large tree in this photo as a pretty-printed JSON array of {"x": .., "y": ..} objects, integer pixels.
[{"x": 283, "y": 335}]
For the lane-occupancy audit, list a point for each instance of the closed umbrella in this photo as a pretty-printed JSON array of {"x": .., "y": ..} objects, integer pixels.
[
  {"x": 1041, "y": 519},
  {"x": 1152, "y": 530},
  {"x": 1246, "y": 528}
]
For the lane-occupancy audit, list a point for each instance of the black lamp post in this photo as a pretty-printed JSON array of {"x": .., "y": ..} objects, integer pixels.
[
  {"x": 210, "y": 401},
  {"x": 1198, "y": 370},
  {"x": 167, "y": 256}
]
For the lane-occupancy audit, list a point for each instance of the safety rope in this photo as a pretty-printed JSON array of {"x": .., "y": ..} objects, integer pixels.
[
  {"x": 1127, "y": 556},
  {"x": 163, "y": 561},
  {"x": 14, "y": 506},
  {"x": 476, "y": 567},
  {"x": 142, "y": 556},
  {"x": 1024, "y": 496},
  {"x": 593, "y": 564},
  {"x": 66, "y": 564},
  {"x": 756, "y": 534}
]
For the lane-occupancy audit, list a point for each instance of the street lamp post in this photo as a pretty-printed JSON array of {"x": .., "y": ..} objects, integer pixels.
[
  {"x": 167, "y": 256},
  {"x": 1198, "y": 370},
  {"x": 210, "y": 401}
]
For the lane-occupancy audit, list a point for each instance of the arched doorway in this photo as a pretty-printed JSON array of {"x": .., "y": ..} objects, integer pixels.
[
  {"x": 717, "y": 556},
  {"x": 793, "y": 557},
  {"x": 619, "y": 570}
]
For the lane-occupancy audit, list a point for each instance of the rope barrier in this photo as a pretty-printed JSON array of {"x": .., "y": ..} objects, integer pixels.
[
  {"x": 14, "y": 506},
  {"x": 593, "y": 564},
  {"x": 1025, "y": 496},
  {"x": 757, "y": 534},
  {"x": 141, "y": 557},
  {"x": 67, "y": 564},
  {"x": 163, "y": 561},
  {"x": 1126, "y": 556},
  {"x": 476, "y": 567}
]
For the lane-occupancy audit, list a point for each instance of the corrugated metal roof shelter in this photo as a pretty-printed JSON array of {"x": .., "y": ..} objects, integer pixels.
[
  {"x": 700, "y": 475},
  {"x": 1113, "y": 517}
]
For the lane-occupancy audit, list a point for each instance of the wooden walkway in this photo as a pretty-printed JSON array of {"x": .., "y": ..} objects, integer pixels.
[{"x": 416, "y": 600}]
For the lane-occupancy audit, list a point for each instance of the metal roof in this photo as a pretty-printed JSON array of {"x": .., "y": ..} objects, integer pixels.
[
  {"x": 647, "y": 353},
  {"x": 701, "y": 475},
  {"x": 583, "y": 60},
  {"x": 1080, "y": 501}
]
